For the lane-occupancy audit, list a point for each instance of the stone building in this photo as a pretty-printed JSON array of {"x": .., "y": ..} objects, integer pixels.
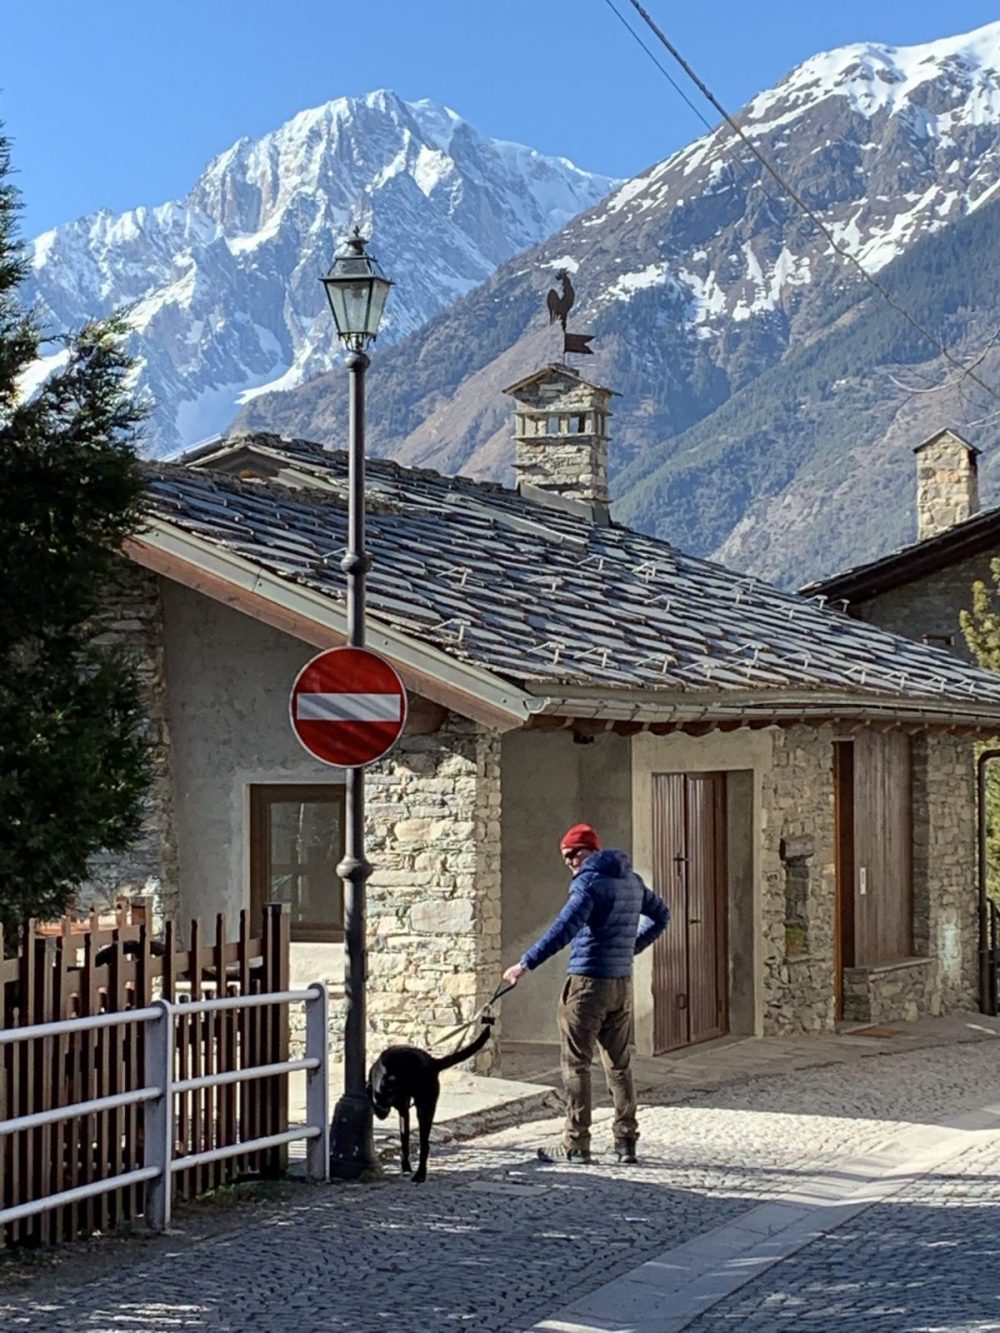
[
  {"x": 796, "y": 783},
  {"x": 920, "y": 590}
]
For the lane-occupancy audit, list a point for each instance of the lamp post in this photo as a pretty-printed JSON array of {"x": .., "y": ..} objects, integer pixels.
[{"x": 357, "y": 291}]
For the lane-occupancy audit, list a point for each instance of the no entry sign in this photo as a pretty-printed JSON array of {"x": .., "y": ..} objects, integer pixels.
[{"x": 348, "y": 707}]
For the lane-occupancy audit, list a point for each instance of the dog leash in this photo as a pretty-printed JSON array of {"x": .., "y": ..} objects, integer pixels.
[{"x": 498, "y": 994}]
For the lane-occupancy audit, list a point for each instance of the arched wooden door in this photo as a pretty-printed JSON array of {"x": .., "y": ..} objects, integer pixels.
[{"x": 690, "y": 1001}]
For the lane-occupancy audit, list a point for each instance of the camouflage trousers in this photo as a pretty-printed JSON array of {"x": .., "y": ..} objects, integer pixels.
[{"x": 596, "y": 1012}]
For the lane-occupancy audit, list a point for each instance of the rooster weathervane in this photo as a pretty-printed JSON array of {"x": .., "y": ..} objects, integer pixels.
[{"x": 559, "y": 304}]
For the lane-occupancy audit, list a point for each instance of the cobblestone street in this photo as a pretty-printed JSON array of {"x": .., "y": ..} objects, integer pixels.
[
  {"x": 496, "y": 1242},
  {"x": 929, "y": 1261}
]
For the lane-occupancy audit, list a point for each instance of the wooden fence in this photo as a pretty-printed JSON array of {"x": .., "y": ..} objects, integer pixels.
[{"x": 108, "y": 963}]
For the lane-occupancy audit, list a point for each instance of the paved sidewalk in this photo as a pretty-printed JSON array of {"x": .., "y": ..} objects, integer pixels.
[
  {"x": 700, "y": 1285},
  {"x": 469, "y": 1104},
  {"x": 927, "y": 1259},
  {"x": 496, "y": 1242},
  {"x": 472, "y": 1104},
  {"x": 717, "y": 1064}
]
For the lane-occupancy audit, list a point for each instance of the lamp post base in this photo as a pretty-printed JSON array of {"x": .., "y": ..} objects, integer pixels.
[{"x": 352, "y": 1147}]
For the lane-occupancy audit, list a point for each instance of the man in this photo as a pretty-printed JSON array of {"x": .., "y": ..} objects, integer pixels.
[{"x": 606, "y": 900}]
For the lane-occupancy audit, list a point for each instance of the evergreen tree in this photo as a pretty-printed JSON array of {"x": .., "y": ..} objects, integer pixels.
[
  {"x": 981, "y": 627},
  {"x": 73, "y": 762}
]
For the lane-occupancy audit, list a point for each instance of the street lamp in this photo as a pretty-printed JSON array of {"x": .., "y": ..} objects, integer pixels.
[{"x": 357, "y": 291}]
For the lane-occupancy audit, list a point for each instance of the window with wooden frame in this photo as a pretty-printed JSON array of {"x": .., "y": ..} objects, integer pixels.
[{"x": 296, "y": 844}]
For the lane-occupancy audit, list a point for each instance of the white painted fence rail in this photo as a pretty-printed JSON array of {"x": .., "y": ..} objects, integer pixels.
[{"x": 161, "y": 1087}]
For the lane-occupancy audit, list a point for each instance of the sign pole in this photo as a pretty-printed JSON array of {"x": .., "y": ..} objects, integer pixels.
[{"x": 352, "y": 1147}]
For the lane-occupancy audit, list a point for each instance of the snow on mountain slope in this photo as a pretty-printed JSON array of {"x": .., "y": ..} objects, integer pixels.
[
  {"x": 224, "y": 284},
  {"x": 700, "y": 277},
  {"x": 885, "y": 143}
]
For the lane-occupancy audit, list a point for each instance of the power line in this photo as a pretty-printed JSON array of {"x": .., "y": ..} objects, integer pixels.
[
  {"x": 741, "y": 166},
  {"x": 662, "y": 68},
  {"x": 967, "y": 371}
]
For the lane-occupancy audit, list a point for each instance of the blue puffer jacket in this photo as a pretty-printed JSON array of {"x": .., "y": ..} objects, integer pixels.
[{"x": 606, "y": 900}]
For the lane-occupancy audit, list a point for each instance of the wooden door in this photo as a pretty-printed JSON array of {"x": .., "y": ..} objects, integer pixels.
[
  {"x": 689, "y": 858},
  {"x": 843, "y": 816},
  {"x": 874, "y": 860},
  {"x": 883, "y": 848}
]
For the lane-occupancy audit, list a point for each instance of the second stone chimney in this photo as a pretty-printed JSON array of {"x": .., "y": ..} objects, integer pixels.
[
  {"x": 561, "y": 435},
  {"x": 947, "y": 483}
]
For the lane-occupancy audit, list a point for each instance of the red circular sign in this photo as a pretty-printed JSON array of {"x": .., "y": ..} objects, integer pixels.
[{"x": 348, "y": 707}]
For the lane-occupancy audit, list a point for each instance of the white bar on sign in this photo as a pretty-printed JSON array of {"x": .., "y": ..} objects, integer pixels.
[{"x": 348, "y": 707}]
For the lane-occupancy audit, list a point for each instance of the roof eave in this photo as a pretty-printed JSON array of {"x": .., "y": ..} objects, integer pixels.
[
  {"x": 305, "y": 614},
  {"x": 778, "y": 705},
  {"x": 973, "y": 537}
]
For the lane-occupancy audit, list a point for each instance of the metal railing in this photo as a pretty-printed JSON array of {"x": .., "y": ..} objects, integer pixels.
[{"x": 160, "y": 1164}]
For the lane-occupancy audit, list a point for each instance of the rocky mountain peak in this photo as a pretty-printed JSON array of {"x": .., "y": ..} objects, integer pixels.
[
  {"x": 733, "y": 332},
  {"x": 224, "y": 283}
]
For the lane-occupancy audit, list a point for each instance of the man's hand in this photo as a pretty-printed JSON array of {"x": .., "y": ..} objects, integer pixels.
[{"x": 514, "y": 974}]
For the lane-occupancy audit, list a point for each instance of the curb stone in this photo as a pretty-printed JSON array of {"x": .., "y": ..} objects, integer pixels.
[{"x": 671, "y": 1291}]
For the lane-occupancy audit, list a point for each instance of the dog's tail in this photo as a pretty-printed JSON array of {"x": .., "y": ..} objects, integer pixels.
[{"x": 465, "y": 1052}]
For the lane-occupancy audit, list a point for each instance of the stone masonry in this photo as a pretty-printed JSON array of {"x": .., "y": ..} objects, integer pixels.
[
  {"x": 560, "y": 429},
  {"x": 798, "y": 929},
  {"x": 434, "y": 838},
  {"x": 798, "y": 838},
  {"x": 133, "y": 618},
  {"x": 893, "y": 993},
  {"x": 930, "y": 605},
  {"x": 433, "y": 904},
  {"x": 947, "y": 483},
  {"x": 945, "y": 902},
  {"x": 434, "y": 896}
]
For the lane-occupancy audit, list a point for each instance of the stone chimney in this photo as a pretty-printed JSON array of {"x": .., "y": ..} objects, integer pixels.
[
  {"x": 947, "y": 483},
  {"x": 561, "y": 435}
]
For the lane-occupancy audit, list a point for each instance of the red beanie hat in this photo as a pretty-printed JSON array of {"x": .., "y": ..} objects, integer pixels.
[{"x": 580, "y": 836}]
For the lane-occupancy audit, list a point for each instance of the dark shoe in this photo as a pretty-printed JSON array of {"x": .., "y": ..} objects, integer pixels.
[
  {"x": 569, "y": 1156},
  {"x": 625, "y": 1151}
]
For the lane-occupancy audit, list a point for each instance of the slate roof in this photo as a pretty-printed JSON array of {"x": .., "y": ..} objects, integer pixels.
[
  {"x": 973, "y": 536},
  {"x": 545, "y": 598}
]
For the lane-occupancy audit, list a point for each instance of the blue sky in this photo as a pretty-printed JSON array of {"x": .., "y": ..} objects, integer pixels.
[{"x": 120, "y": 102}]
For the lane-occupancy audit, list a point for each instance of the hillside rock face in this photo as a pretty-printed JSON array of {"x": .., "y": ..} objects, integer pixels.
[
  {"x": 759, "y": 417},
  {"x": 224, "y": 284}
]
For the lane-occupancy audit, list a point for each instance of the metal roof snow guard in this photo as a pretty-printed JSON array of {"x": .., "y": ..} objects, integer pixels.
[{"x": 644, "y": 631}]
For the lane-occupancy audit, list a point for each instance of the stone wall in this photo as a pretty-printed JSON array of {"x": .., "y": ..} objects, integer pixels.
[
  {"x": 799, "y": 899},
  {"x": 133, "y": 618},
  {"x": 945, "y": 901},
  {"x": 798, "y": 883},
  {"x": 930, "y": 605},
  {"x": 947, "y": 483},
  {"x": 434, "y": 896},
  {"x": 892, "y": 992}
]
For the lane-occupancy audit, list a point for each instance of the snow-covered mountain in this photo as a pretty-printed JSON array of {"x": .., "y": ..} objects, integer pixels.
[
  {"x": 224, "y": 284},
  {"x": 704, "y": 284},
  {"x": 885, "y": 143}
]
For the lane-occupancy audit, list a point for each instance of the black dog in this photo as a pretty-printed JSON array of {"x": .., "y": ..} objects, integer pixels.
[{"x": 405, "y": 1074}]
